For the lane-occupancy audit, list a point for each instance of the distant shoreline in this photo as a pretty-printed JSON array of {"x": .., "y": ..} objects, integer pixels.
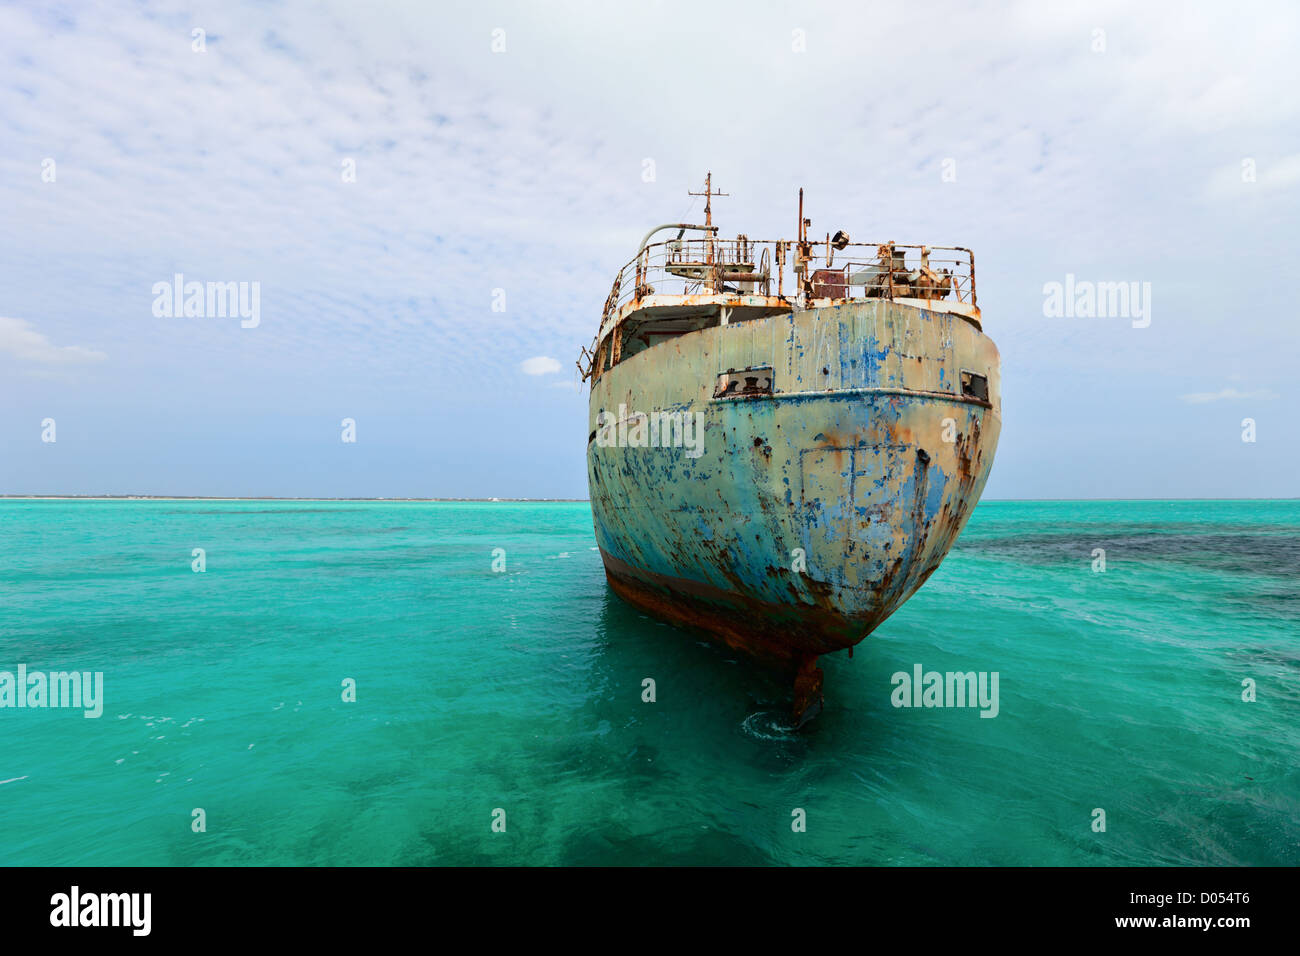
[
  {"x": 508, "y": 500},
  {"x": 265, "y": 498}
]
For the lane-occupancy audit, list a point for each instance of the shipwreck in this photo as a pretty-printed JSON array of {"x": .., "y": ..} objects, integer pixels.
[{"x": 786, "y": 436}]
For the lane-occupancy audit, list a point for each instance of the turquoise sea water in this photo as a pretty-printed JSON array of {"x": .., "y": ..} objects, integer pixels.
[{"x": 522, "y": 690}]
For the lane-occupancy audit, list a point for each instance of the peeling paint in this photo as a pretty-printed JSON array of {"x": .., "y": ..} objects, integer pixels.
[{"x": 855, "y": 473}]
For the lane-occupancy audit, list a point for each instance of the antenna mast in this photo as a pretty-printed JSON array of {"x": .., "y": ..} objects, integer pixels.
[{"x": 708, "y": 195}]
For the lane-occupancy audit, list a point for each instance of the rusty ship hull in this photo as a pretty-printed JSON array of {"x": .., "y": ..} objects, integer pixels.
[{"x": 842, "y": 445}]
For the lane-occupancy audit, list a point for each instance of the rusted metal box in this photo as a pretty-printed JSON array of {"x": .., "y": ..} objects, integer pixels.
[{"x": 830, "y": 284}]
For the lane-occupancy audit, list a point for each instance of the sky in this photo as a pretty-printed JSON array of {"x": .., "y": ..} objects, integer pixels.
[{"x": 433, "y": 201}]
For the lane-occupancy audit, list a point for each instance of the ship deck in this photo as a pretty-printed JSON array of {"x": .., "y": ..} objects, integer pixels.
[{"x": 679, "y": 286}]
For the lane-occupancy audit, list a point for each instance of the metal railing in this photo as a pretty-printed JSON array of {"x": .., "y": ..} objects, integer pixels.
[{"x": 820, "y": 270}]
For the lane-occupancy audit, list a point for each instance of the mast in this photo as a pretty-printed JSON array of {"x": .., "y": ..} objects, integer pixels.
[
  {"x": 803, "y": 251},
  {"x": 708, "y": 195}
]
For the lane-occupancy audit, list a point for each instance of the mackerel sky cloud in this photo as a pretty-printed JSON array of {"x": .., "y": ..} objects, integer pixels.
[{"x": 429, "y": 220}]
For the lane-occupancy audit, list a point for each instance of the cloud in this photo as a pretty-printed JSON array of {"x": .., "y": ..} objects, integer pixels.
[
  {"x": 477, "y": 171},
  {"x": 1227, "y": 394},
  {"x": 540, "y": 365},
  {"x": 20, "y": 339}
]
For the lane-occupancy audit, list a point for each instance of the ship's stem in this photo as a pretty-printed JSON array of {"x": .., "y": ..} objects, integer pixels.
[{"x": 807, "y": 691}]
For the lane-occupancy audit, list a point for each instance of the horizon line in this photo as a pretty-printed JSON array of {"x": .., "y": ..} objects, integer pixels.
[{"x": 138, "y": 497}]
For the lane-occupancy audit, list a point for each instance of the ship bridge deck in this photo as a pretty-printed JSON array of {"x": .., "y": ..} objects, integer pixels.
[{"x": 682, "y": 285}]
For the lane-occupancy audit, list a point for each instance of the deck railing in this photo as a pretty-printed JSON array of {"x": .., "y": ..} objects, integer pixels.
[{"x": 826, "y": 270}]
